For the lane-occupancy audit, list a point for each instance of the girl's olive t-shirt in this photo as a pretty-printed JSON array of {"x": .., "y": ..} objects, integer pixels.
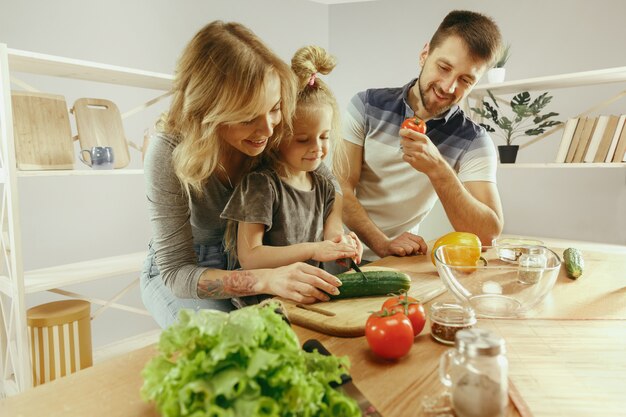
[{"x": 290, "y": 215}]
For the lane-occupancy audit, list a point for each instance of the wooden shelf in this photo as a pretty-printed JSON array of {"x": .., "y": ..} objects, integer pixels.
[
  {"x": 76, "y": 273},
  {"x": 71, "y": 173},
  {"x": 63, "y": 275},
  {"x": 79, "y": 173},
  {"x": 36, "y": 63},
  {"x": 126, "y": 345},
  {"x": 575, "y": 79},
  {"x": 559, "y": 165}
]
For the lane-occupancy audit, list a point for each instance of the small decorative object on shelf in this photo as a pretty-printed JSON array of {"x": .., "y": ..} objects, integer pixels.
[
  {"x": 498, "y": 72},
  {"x": 527, "y": 120}
]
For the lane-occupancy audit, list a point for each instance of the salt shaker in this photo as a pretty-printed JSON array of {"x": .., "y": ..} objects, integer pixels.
[
  {"x": 532, "y": 262},
  {"x": 476, "y": 372}
]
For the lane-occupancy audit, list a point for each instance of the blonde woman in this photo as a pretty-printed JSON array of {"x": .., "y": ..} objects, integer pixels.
[
  {"x": 230, "y": 95},
  {"x": 286, "y": 211}
]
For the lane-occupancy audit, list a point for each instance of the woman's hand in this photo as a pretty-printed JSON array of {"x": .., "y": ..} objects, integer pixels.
[{"x": 299, "y": 282}]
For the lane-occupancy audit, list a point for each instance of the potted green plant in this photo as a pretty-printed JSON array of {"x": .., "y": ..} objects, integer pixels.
[
  {"x": 527, "y": 120},
  {"x": 498, "y": 72}
]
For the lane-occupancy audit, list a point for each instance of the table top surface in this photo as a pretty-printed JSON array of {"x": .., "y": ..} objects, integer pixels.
[{"x": 566, "y": 358}]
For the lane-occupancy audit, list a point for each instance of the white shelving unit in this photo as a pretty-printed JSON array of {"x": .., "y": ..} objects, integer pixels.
[
  {"x": 562, "y": 165},
  {"x": 15, "y": 366},
  {"x": 576, "y": 79}
]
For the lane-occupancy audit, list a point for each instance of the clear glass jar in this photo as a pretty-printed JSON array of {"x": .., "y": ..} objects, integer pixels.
[
  {"x": 531, "y": 265},
  {"x": 447, "y": 318},
  {"x": 511, "y": 248},
  {"x": 476, "y": 372}
]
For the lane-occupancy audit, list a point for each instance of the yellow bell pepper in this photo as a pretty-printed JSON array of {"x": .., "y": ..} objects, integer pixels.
[{"x": 467, "y": 256}]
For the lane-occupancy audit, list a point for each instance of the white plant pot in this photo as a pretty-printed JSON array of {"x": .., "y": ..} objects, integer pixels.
[{"x": 496, "y": 75}]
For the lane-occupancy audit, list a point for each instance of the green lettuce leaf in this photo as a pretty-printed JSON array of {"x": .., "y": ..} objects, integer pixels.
[{"x": 244, "y": 364}]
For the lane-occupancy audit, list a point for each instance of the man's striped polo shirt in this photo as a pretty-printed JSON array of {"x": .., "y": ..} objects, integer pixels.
[{"x": 396, "y": 196}]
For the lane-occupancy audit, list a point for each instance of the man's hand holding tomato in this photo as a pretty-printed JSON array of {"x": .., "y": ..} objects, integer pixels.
[{"x": 419, "y": 151}]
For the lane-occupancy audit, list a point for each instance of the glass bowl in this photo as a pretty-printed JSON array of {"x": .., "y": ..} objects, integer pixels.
[{"x": 501, "y": 288}]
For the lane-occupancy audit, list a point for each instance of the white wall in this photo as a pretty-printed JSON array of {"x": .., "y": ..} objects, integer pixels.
[
  {"x": 377, "y": 45},
  {"x": 74, "y": 219}
]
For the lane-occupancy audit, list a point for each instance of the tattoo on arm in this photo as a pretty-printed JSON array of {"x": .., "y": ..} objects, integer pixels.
[{"x": 232, "y": 284}]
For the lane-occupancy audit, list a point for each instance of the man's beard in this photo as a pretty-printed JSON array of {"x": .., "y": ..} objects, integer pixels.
[{"x": 434, "y": 111}]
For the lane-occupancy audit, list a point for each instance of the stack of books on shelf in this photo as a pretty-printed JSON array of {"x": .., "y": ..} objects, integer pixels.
[{"x": 598, "y": 139}]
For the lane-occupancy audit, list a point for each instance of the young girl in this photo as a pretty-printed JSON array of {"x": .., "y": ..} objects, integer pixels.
[{"x": 286, "y": 211}]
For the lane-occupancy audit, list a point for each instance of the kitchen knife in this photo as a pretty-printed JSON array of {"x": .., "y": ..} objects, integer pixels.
[
  {"x": 353, "y": 265},
  {"x": 346, "y": 385}
]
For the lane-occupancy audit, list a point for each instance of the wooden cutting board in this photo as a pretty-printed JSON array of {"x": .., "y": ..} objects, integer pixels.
[
  {"x": 99, "y": 123},
  {"x": 41, "y": 128},
  {"x": 347, "y": 317}
]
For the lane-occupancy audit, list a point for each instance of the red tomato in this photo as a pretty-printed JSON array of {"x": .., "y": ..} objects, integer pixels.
[
  {"x": 411, "y": 308},
  {"x": 389, "y": 334},
  {"x": 414, "y": 123}
]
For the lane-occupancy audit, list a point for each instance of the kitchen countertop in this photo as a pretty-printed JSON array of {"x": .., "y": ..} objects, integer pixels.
[{"x": 566, "y": 358}]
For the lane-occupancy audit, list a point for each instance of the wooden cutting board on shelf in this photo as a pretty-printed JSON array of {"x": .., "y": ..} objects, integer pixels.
[
  {"x": 99, "y": 123},
  {"x": 347, "y": 318},
  {"x": 42, "y": 133}
]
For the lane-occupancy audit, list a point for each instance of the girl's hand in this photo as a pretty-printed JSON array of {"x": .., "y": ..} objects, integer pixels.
[
  {"x": 358, "y": 246},
  {"x": 352, "y": 239},
  {"x": 299, "y": 282},
  {"x": 331, "y": 250}
]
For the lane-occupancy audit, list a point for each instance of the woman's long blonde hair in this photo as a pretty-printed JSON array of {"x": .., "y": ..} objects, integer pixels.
[
  {"x": 220, "y": 79},
  {"x": 306, "y": 64}
]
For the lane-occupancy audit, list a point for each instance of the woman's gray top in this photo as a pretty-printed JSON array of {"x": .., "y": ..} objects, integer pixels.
[{"x": 177, "y": 221}]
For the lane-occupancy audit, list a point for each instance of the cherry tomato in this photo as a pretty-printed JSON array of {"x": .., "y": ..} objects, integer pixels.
[
  {"x": 414, "y": 123},
  {"x": 389, "y": 334},
  {"x": 411, "y": 308}
]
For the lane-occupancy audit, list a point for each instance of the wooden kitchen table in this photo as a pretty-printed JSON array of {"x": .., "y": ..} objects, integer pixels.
[{"x": 567, "y": 358}]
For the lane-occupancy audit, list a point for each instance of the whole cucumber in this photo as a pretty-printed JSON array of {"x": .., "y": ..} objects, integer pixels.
[
  {"x": 370, "y": 283},
  {"x": 574, "y": 263}
]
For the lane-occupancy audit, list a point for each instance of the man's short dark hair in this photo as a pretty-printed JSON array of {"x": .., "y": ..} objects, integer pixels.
[{"x": 479, "y": 32}]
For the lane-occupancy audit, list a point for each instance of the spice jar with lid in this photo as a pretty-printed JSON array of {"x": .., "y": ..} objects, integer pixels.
[
  {"x": 476, "y": 372},
  {"x": 532, "y": 264},
  {"x": 448, "y": 318}
]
